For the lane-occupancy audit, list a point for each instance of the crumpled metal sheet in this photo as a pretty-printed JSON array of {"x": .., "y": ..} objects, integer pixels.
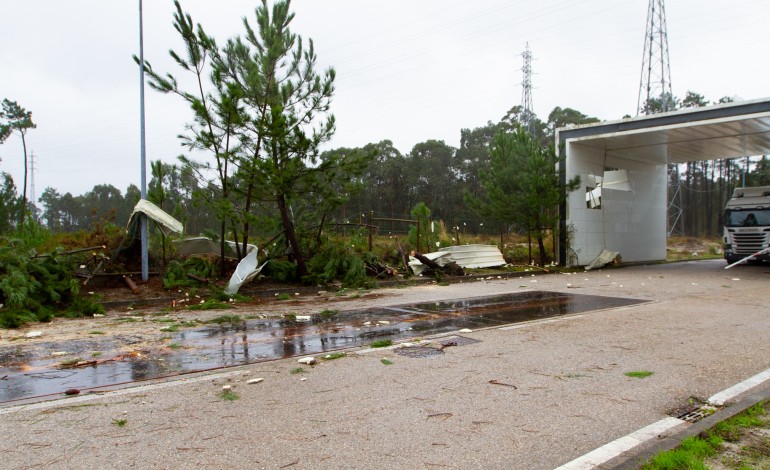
[{"x": 604, "y": 258}]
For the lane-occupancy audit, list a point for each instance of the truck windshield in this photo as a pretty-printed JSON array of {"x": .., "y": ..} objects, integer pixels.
[{"x": 747, "y": 218}]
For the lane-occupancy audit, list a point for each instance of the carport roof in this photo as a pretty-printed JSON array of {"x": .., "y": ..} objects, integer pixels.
[{"x": 722, "y": 131}]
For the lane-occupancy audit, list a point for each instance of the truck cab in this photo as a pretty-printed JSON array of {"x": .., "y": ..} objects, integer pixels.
[{"x": 747, "y": 224}]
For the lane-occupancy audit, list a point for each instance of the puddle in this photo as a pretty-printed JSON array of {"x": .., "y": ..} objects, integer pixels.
[{"x": 30, "y": 370}]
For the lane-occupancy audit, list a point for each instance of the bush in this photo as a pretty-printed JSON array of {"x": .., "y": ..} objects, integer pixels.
[
  {"x": 37, "y": 288},
  {"x": 176, "y": 272},
  {"x": 281, "y": 271},
  {"x": 337, "y": 261}
]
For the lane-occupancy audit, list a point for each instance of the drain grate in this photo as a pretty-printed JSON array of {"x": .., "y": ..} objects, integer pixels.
[
  {"x": 429, "y": 351},
  {"x": 697, "y": 414},
  {"x": 459, "y": 340},
  {"x": 418, "y": 351}
]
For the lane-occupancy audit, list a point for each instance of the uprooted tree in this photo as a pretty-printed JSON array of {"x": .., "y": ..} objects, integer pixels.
[{"x": 261, "y": 109}]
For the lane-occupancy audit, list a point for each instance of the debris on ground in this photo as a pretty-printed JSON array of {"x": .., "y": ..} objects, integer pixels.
[{"x": 604, "y": 258}]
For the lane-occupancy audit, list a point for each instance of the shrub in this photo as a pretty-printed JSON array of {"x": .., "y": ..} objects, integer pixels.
[
  {"x": 37, "y": 288},
  {"x": 337, "y": 261},
  {"x": 176, "y": 272}
]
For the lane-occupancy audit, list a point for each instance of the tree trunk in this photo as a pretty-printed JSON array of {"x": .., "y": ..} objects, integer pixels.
[
  {"x": 24, "y": 190},
  {"x": 222, "y": 231},
  {"x": 541, "y": 246},
  {"x": 291, "y": 236}
]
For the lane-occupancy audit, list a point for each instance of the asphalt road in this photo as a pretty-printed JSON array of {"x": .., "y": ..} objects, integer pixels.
[{"x": 532, "y": 396}]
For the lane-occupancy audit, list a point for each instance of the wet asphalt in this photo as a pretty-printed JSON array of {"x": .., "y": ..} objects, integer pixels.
[{"x": 533, "y": 395}]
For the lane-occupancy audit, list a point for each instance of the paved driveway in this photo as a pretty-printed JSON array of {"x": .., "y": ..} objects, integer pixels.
[{"x": 535, "y": 395}]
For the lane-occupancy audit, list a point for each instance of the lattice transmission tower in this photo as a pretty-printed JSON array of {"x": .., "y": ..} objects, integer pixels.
[
  {"x": 656, "y": 95},
  {"x": 527, "y": 115}
]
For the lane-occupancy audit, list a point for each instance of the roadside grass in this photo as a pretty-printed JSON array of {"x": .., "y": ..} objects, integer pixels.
[
  {"x": 734, "y": 443},
  {"x": 638, "y": 374}
]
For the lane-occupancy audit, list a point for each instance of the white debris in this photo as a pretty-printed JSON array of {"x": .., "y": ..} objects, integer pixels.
[
  {"x": 34, "y": 334},
  {"x": 465, "y": 330},
  {"x": 736, "y": 279},
  {"x": 58, "y": 353},
  {"x": 383, "y": 322},
  {"x": 255, "y": 381},
  {"x": 227, "y": 387},
  {"x": 302, "y": 379},
  {"x": 307, "y": 360},
  {"x": 302, "y": 317}
]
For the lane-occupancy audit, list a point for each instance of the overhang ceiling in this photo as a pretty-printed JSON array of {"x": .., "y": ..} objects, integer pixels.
[{"x": 723, "y": 131}]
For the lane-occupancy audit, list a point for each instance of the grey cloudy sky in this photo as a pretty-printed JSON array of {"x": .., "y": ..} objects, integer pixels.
[{"x": 407, "y": 70}]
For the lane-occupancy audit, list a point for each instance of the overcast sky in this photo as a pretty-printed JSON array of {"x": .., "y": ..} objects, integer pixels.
[{"x": 407, "y": 70}]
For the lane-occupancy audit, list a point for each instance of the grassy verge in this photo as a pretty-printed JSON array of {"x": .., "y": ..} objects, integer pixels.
[{"x": 741, "y": 442}]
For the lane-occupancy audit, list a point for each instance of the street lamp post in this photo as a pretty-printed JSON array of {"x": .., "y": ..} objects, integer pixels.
[{"x": 143, "y": 217}]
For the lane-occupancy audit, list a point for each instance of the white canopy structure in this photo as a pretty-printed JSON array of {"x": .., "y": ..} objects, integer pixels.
[{"x": 629, "y": 215}]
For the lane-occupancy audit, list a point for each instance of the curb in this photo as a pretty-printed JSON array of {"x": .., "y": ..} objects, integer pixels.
[{"x": 634, "y": 458}]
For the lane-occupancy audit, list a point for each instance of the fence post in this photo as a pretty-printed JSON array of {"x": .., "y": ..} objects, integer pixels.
[
  {"x": 418, "y": 234},
  {"x": 371, "y": 228},
  {"x": 457, "y": 234}
]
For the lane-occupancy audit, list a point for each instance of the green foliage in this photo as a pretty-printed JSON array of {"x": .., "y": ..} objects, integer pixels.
[
  {"x": 85, "y": 307},
  {"x": 694, "y": 450},
  {"x": 228, "y": 395},
  {"x": 223, "y": 296},
  {"x": 381, "y": 343},
  {"x": 638, "y": 374},
  {"x": 731, "y": 429},
  {"x": 281, "y": 271},
  {"x": 386, "y": 362},
  {"x": 176, "y": 272},
  {"x": 334, "y": 355},
  {"x": 328, "y": 314},
  {"x": 10, "y": 209},
  {"x": 38, "y": 288},
  {"x": 688, "y": 456},
  {"x": 428, "y": 237},
  {"x": 222, "y": 319},
  {"x": 522, "y": 186},
  {"x": 337, "y": 261}
]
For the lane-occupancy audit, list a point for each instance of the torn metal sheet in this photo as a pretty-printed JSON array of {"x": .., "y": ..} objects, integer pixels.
[
  {"x": 616, "y": 180},
  {"x": 475, "y": 256},
  {"x": 438, "y": 257},
  {"x": 205, "y": 246},
  {"x": 246, "y": 270},
  {"x": 604, "y": 258},
  {"x": 466, "y": 256},
  {"x": 166, "y": 223}
]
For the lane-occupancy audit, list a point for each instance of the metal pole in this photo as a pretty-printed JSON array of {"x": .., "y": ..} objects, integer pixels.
[{"x": 143, "y": 187}]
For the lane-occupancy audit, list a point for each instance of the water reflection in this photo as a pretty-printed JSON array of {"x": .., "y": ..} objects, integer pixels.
[{"x": 30, "y": 371}]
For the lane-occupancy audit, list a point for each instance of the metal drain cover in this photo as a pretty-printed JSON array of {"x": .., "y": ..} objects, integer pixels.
[
  {"x": 429, "y": 351},
  {"x": 459, "y": 340},
  {"x": 697, "y": 414},
  {"x": 418, "y": 351}
]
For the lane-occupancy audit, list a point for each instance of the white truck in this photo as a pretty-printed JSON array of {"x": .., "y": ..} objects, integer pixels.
[{"x": 747, "y": 225}]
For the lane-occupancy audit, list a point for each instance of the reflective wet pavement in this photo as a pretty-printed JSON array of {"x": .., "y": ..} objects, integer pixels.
[{"x": 28, "y": 371}]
